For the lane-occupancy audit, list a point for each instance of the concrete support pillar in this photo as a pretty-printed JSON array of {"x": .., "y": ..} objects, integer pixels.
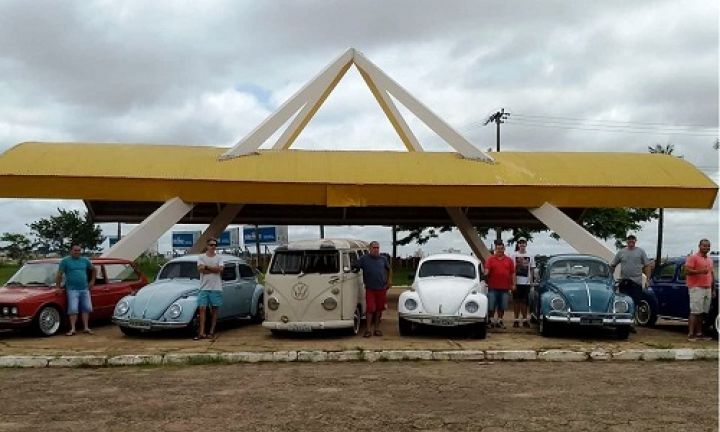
[
  {"x": 572, "y": 232},
  {"x": 468, "y": 232},
  {"x": 142, "y": 237},
  {"x": 217, "y": 226}
]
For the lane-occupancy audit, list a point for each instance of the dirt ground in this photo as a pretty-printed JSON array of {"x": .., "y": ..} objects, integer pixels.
[{"x": 410, "y": 396}]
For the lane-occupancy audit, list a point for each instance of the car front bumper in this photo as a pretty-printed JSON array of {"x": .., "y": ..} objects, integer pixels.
[
  {"x": 149, "y": 325},
  {"x": 592, "y": 320},
  {"x": 308, "y": 326},
  {"x": 442, "y": 320},
  {"x": 9, "y": 322}
]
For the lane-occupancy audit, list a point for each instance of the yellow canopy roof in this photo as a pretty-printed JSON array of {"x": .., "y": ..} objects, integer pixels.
[{"x": 134, "y": 172}]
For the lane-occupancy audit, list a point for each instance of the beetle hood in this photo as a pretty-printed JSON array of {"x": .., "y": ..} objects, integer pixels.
[
  {"x": 444, "y": 295},
  {"x": 152, "y": 301},
  {"x": 585, "y": 296}
]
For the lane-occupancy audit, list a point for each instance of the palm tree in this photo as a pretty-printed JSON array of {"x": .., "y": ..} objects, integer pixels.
[{"x": 661, "y": 149}]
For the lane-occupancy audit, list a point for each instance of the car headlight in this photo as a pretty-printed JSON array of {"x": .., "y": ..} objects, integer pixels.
[
  {"x": 5, "y": 310},
  {"x": 329, "y": 303},
  {"x": 557, "y": 303},
  {"x": 621, "y": 306},
  {"x": 14, "y": 310},
  {"x": 121, "y": 308},
  {"x": 174, "y": 311},
  {"x": 410, "y": 304},
  {"x": 273, "y": 303},
  {"x": 472, "y": 307}
]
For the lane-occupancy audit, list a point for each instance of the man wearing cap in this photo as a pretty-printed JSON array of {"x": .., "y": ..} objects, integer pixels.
[
  {"x": 524, "y": 265},
  {"x": 633, "y": 263}
]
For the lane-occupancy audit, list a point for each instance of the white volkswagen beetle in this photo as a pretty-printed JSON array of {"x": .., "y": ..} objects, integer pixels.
[{"x": 447, "y": 291}]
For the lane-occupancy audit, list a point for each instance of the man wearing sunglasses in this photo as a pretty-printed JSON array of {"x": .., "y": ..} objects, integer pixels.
[{"x": 210, "y": 266}]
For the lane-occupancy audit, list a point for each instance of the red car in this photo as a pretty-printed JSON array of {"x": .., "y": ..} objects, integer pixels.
[{"x": 30, "y": 298}]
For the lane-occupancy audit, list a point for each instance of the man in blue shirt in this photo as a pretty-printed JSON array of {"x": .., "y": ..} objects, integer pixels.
[
  {"x": 377, "y": 277},
  {"x": 77, "y": 288}
]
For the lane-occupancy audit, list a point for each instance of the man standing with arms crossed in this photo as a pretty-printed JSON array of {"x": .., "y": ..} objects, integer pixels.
[
  {"x": 699, "y": 279},
  {"x": 500, "y": 272},
  {"x": 77, "y": 288},
  {"x": 210, "y": 266},
  {"x": 377, "y": 277},
  {"x": 633, "y": 263}
]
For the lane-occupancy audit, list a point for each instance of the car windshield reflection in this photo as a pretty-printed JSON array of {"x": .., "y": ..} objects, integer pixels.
[
  {"x": 436, "y": 268},
  {"x": 575, "y": 269},
  {"x": 34, "y": 275},
  {"x": 179, "y": 270}
]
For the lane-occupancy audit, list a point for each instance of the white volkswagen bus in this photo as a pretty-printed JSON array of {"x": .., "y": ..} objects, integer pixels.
[{"x": 310, "y": 285}]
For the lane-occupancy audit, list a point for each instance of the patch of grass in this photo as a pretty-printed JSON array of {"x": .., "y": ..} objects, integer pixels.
[
  {"x": 7, "y": 270},
  {"x": 660, "y": 345}
]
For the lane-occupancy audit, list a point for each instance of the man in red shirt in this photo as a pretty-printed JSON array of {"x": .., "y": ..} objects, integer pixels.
[
  {"x": 500, "y": 278},
  {"x": 699, "y": 279}
]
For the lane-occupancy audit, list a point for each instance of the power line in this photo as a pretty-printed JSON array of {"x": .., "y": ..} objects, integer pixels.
[
  {"x": 605, "y": 129},
  {"x": 618, "y": 126},
  {"x": 589, "y": 120}
]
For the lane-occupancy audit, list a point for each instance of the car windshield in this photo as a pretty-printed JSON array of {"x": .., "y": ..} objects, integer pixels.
[
  {"x": 463, "y": 269},
  {"x": 39, "y": 275},
  {"x": 180, "y": 269},
  {"x": 310, "y": 261},
  {"x": 578, "y": 269}
]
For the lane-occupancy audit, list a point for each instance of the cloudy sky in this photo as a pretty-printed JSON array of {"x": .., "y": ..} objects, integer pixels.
[{"x": 576, "y": 76}]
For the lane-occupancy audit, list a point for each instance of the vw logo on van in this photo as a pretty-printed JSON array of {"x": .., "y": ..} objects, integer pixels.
[{"x": 300, "y": 291}]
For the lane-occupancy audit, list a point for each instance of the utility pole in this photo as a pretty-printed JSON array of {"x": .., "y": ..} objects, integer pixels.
[{"x": 498, "y": 118}]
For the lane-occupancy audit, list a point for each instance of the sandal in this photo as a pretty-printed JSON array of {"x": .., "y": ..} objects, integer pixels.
[
  {"x": 211, "y": 335},
  {"x": 70, "y": 333},
  {"x": 198, "y": 337},
  {"x": 367, "y": 334},
  {"x": 88, "y": 331},
  {"x": 377, "y": 333}
]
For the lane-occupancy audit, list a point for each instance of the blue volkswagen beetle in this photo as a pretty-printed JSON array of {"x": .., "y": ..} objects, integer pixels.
[
  {"x": 171, "y": 301},
  {"x": 579, "y": 290}
]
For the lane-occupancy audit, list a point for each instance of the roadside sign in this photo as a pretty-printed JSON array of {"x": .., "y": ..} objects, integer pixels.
[{"x": 267, "y": 234}]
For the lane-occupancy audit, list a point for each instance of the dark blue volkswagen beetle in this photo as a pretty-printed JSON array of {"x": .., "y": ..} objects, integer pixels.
[{"x": 579, "y": 290}]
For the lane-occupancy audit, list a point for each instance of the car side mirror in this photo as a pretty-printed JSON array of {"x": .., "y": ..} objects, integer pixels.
[{"x": 483, "y": 277}]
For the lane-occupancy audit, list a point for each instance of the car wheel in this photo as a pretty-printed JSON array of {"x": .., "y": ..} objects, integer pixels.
[
  {"x": 622, "y": 332},
  {"x": 128, "y": 331},
  {"x": 646, "y": 310},
  {"x": 405, "y": 326},
  {"x": 544, "y": 327},
  {"x": 479, "y": 330},
  {"x": 48, "y": 321},
  {"x": 259, "y": 311},
  {"x": 357, "y": 318}
]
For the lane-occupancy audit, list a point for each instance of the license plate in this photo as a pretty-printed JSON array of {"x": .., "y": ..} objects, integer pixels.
[
  {"x": 591, "y": 321},
  {"x": 139, "y": 325},
  {"x": 299, "y": 327},
  {"x": 442, "y": 321}
]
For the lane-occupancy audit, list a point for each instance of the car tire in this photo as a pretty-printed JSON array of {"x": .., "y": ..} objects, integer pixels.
[
  {"x": 129, "y": 331},
  {"x": 259, "y": 311},
  {"x": 479, "y": 331},
  {"x": 622, "y": 332},
  {"x": 357, "y": 320},
  {"x": 405, "y": 326},
  {"x": 48, "y": 321},
  {"x": 646, "y": 312},
  {"x": 544, "y": 327}
]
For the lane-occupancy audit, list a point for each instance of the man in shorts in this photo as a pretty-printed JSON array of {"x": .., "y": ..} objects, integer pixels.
[
  {"x": 77, "y": 287},
  {"x": 633, "y": 263},
  {"x": 500, "y": 273},
  {"x": 377, "y": 277},
  {"x": 699, "y": 279},
  {"x": 524, "y": 266},
  {"x": 210, "y": 266}
]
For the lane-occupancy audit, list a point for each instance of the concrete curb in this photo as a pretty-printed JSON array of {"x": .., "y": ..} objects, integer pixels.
[{"x": 553, "y": 355}]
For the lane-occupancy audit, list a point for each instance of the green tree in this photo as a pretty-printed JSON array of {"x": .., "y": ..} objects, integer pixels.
[
  {"x": 667, "y": 149},
  {"x": 19, "y": 246},
  {"x": 59, "y": 233}
]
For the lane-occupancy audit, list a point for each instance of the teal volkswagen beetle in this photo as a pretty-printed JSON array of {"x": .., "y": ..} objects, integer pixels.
[
  {"x": 579, "y": 290},
  {"x": 170, "y": 302}
]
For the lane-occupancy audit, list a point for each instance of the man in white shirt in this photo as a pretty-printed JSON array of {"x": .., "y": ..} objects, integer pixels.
[
  {"x": 210, "y": 266},
  {"x": 524, "y": 266}
]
